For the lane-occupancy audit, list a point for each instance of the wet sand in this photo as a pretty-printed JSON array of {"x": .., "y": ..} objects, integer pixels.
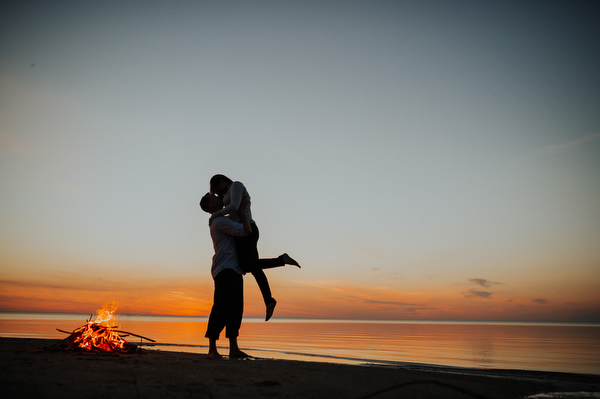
[{"x": 30, "y": 368}]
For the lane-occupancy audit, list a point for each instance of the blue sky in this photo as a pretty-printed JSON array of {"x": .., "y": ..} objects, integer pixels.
[{"x": 395, "y": 149}]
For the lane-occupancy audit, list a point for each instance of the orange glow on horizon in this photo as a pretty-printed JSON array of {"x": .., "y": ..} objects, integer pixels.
[
  {"x": 299, "y": 300},
  {"x": 177, "y": 298}
]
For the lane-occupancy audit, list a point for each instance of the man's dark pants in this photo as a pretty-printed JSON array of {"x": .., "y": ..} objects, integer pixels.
[{"x": 228, "y": 305}]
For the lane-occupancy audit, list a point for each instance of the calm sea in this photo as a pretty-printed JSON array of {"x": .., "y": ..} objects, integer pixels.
[{"x": 573, "y": 348}]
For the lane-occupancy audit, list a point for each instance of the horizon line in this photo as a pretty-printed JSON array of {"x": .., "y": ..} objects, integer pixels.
[{"x": 316, "y": 319}]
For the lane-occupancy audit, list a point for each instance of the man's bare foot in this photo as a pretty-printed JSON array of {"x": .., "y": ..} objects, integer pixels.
[
  {"x": 289, "y": 260},
  {"x": 214, "y": 355},
  {"x": 270, "y": 309},
  {"x": 238, "y": 354}
]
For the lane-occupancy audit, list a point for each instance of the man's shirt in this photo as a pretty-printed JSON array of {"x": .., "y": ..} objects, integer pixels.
[{"x": 222, "y": 230}]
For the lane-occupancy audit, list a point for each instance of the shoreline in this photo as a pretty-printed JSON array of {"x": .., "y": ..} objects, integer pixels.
[
  {"x": 322, "y": 358},
  {"x": 30, "y": 368}
]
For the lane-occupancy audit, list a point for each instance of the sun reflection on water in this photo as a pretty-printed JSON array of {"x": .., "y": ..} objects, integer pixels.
[{"x": 521, "y": 346}]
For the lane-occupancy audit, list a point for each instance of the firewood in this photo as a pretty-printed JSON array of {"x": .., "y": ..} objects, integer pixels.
[
  {"x": 97, "y": 338},
  {"x": 135, "y": 335}
]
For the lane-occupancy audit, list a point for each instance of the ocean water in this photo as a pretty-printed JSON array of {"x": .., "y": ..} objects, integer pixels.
[{"x": 571, "y": 348}]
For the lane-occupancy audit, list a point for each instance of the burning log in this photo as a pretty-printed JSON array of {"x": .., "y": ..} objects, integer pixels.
[
  {"x": 99, "y": 335},
  {"x": 97, "y": 338}
]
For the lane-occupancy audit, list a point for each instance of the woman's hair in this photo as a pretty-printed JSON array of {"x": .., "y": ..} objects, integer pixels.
[{"x": 216, "y": 180}]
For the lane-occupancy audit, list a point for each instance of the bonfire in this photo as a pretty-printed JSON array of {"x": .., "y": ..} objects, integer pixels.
[{"x": 100, "y": 335}]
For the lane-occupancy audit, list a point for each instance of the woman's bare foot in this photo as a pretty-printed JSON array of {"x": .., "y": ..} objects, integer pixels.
[
  {"x": 288, "y": 260},
  {"x": 270, "y": 309}
]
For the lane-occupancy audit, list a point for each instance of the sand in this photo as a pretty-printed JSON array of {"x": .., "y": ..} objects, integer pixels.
[{"x": 30, "y": 369}]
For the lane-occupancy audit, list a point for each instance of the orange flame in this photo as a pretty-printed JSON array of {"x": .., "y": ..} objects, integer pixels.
[
  {"x": 99, "y": 334},
  {"x": 107, "y": 316}
]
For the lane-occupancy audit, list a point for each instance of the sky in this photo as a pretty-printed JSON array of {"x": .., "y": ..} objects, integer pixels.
[{"x": 421, "y": 160}]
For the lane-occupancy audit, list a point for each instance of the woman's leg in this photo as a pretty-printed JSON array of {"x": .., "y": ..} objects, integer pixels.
[
  {"x": 247, "y": 252},
  {"x": 263, "y": 284},
  {"x": 281, "y": 260}
]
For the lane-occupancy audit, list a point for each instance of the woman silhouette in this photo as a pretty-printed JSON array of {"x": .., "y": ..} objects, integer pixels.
[{"x": 233, "y": 194}]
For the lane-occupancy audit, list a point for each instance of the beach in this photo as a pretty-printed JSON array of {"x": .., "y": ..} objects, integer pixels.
[{"x": 32, "y": 368}]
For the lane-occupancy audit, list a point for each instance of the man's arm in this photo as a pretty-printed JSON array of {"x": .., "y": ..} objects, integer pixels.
[{"x": 230, "y": 227}]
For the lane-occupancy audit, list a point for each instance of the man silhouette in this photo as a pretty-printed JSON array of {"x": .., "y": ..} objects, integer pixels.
[{"x": 228, "y": 303}]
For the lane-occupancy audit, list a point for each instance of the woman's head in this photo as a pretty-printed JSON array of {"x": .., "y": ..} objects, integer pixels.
[{"x": 219, "y": 184}]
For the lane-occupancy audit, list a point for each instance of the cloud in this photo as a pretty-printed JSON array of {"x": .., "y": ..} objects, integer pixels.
[
  {"x": 400, "y": 307},
  {"x": 558, "y": 148},
  {"x": 472, "y": 293},
  {"x": 541, "y": 301},
  {"x": 390, "y": 303},
  {"x": 387, "y": 275},
  {"x": 553, "y": 149},
  {"x": 482, "y": 282}
]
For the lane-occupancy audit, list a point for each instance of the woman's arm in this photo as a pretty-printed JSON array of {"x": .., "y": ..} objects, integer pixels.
[{"x": 235, "y": 195}]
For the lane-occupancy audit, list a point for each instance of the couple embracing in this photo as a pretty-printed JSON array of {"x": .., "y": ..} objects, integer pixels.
[{"x": 235, "y": 237}]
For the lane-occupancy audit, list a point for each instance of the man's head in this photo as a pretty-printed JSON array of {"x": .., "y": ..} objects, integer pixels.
[{"x": 211, "y": 203}]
